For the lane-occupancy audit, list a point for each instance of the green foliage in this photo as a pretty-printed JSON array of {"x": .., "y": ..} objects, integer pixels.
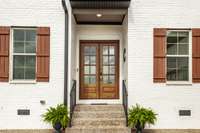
[
  {"x": 138, "y": 114},
  {"x": 57, "y": 114}
]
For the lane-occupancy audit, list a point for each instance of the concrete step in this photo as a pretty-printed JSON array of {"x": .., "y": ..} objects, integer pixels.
[
  {"x": 86, "y": 122},
  {"x": 98, "y": 114},
  {"x": 99, "y": 107},
  {"x": 98, "y": 130}
]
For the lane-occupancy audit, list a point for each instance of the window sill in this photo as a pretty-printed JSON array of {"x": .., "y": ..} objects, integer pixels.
[
  {"x": 179, "y": 83},
  {"x": 23, "y": 82}
]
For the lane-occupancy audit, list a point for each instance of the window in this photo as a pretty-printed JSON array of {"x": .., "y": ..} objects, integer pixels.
[
  {"x": 178, "y": 55},
  {"x": 23, "y": 54}
]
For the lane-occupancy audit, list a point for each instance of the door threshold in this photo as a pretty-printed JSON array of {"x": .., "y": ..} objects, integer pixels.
[
  {"x": 99, "y": 104},
  {"x": 103, "y": 102}
]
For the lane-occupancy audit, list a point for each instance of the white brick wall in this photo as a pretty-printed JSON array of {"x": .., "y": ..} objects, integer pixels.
[
  {"x": 27, "y": 96},
  {"x": 143, "y": 16}
]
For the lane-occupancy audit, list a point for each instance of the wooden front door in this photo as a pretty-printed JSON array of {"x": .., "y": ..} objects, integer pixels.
[{"x": 99, "y": 69}]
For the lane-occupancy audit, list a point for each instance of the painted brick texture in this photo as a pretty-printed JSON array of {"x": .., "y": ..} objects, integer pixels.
[
  {"x": 48, "y": 13},
  {"x": 165, "y": 99}
]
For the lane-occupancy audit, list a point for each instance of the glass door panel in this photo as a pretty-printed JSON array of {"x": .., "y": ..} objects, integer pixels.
[
  {"x": 109, "y": 71},
  {"x": 89, "y": 71}
]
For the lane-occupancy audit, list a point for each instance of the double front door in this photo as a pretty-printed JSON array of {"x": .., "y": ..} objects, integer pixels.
[{"x": 99, "y": 69}]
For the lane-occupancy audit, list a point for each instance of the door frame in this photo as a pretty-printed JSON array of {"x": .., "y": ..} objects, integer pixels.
[
  {"x": 81, "y": 42},
  {"x": 98, "y": 32}
]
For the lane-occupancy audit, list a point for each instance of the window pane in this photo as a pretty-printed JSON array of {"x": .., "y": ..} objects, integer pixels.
[
  {"x": 182, "y": 63},
  {"x": 105, "y": 79},
  {"x": 18, "y": 35},
  {"x": 183, "y": 37},
  {"x": 171, "y": 49},
  {"x": 18, "y": 61},
  {"x": 183, "y": 75},
  {"x": 105, "y": 69},
  {"x": 172, "y": 33},
  {"x": 171, "y": 74},
  {"x": 92, "y": 79},
  {"x": 111, "y": 79},
  {"x": 171, "y": 39},
  {"x": 87, "y": 70},
  {"x": 112, "y": 60},
  {"x": 92, "y": 69},
  {"x": 18, "y": 73},
  {"x": 183, "y": 49},
  {"x": 87, "y": 60},
  {"x": 86, "y": 79},
  {"x": 18, "y": 67},
  {"x": 93, "y": 60},
  {"x": 112, "y": 50},
  {"x": 30, "y": 73},
  {"x": 30, "y": 67},
  {"x": 183, "y": 67},
  {"x": 112, "y": 70},
  {"x": 105, "y": 50},
  {"x": 30, "y": 47},
  {"x": 30, "y": 61},
  {"x": 171, "y": 62},
  {"x": 92, "y": 50},
  {"x": 18, "y": 47},
  {"x": 183, "y": 34},
  {"x": 87, "y": 50},
  {"x": 177, "y": 68},
  {"x": 105, "y": 60},
  {"x": 30, "y": 35},
  {"x": 23, "y": 67}
]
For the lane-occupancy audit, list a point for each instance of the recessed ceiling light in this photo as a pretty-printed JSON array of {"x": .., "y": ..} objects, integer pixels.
[{"x": 99, "y": 15}]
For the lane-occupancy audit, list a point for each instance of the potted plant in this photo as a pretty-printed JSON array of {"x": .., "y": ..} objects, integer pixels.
[
  {"x": 139, "y": 116},
  {"x": 57, "y": 117}
]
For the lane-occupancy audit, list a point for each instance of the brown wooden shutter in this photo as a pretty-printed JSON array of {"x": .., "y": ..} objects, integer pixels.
[
  {"x": 196, "y": 55},
  {"x": 159, "y": 54},
  {"x": 4, "y": 53},
  {"x": 43, "y": 53}
]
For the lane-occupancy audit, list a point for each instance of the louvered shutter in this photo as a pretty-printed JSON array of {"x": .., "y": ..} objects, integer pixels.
[
  {"x": 43, "y": 54},
  {"x": 4, "y": 53},
  {"x": 196, "y": 55},
  {"x": 159, "y": 55}
]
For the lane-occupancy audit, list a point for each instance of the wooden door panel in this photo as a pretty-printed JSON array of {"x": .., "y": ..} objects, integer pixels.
[
  {"x": 89, "y": 82},
  {"x": 99, "y": 69},
  {"x": 109, "y": 70}
]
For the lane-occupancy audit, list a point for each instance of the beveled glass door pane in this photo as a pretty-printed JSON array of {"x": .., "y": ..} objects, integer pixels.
[
  {"x": 109, "y": 75},
  {"x": 89, "y": 70},
  {"x": 108, "y": 65},
  {"x": 90, "y": 53}
]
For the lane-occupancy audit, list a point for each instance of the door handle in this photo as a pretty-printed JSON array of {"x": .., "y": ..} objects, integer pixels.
[
  {"x": 101, "y": 77},
  {"x": 100, "y": 73}
]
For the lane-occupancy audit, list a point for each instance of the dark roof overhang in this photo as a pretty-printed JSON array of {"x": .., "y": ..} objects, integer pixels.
[{"x": 100, "y": 4}]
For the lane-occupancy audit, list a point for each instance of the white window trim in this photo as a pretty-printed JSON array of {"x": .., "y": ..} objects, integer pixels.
[
  {"x": 189, "y": 82},
  {"x": 11, "y": 80}
]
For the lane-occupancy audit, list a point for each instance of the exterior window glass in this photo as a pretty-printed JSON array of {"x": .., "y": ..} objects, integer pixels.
[
  {"x": 24, "y": 54},
  {"x": 178, "y": 56}
]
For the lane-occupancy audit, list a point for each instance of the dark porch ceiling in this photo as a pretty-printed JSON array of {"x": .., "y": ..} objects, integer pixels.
[
  {"x": 109, "y": 16},
  {"x": 100, "y": 4},
  {"x": 111, "y": 11}
]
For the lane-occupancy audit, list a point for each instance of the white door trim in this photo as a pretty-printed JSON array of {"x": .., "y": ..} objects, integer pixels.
[{"x": 113, "y": 33}]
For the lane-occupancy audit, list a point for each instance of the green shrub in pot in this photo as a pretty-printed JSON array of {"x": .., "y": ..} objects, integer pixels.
[
  {"x": 57, "y": 117},
  {"x": 139, "y": 116}
]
